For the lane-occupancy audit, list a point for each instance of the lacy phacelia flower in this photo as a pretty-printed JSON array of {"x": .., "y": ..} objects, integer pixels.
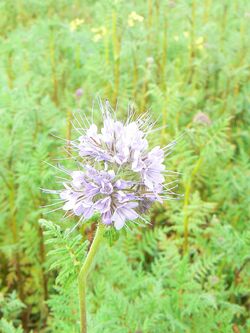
[{"x": 120, "y": 176}]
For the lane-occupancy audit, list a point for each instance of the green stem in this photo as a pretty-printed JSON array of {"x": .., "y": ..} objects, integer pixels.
[
  {"x": 186, "y": 203},
  {"x": 82, "y": 277}
]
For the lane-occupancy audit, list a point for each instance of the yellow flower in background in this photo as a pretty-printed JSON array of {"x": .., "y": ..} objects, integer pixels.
[
  {"x": 99, "y": 33},
  {"x": 133, "y": 18},
  {"x": 186, "y": 34},
  {"x": 75, "y": 24},
  {"x": 200, "y": 43}
]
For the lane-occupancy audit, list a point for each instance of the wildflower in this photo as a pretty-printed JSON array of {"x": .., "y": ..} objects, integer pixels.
[
  {"x": 214, "y": 280},
  {"x": 172, "y": 4},
  {"x": 79, "y": 93},
  {"x": 202, "y": 118},
  {"x": 99, "y": 33},
  {"x": 133, "y": 18},
  {"x": 200, "y": 43},
  {"x": 75, "y": 24},
  {"x": 150, "y": 61},
  {"x": 120, "y": 177}
]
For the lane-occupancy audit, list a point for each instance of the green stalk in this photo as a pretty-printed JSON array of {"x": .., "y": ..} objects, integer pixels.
[
  {"x": 164, "y": 82},
  {"x": 82, "y": 277},
  {"x": 69, "y": 130},
  {"x": 206, "y": 11},
  {"x": 9, "y": 69},
  {"x": 116, "y": 39},
  {"x": 186, "y": 203},
  {"x": 53, "y": 68},
  {"x": 192, "y": 53}
]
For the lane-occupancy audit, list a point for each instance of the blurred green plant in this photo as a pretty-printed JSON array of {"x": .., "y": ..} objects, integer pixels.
[{"x": 186, "y": 61}]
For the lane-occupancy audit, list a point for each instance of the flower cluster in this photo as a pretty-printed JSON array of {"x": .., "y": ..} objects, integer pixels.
[
  {"x": 99, "y": 33},
  {"x": 75, "y": 24},
  {"x": 133, "y": 18},
  {"x": 119, "y": 176}
]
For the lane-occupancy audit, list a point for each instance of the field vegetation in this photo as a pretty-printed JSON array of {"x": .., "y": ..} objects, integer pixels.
[{"x": 187, "y": 62}]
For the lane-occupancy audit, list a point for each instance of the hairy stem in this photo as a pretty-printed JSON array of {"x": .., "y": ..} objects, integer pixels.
[{"x": 82, "y": 277}]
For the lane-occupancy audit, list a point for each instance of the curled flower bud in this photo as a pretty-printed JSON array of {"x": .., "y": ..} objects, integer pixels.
[{"x": 202, "y": 118}]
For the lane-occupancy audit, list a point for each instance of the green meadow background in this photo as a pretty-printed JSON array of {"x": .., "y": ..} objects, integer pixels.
[{"x": 187, "y": 62}]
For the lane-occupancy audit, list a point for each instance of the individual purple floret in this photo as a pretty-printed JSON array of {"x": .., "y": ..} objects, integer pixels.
[
  {"x": 120, "y": 177},
  {"x": 92, "y": 190}
]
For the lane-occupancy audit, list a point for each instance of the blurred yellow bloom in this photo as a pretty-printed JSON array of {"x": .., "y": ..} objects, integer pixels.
[
  {"x": 176, "y": 38},
  {"x": 200, "y": 43},
  {"x": 99, "y": 33},
  {"x": 186, "y": 34},
  {"x": 75, "y": 24},
  {"x": 200, "y": 40},
  {"x": 133, "y": 18}
]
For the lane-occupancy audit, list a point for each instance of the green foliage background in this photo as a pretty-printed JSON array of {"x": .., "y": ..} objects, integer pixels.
[{"x": 186, "y": 61}]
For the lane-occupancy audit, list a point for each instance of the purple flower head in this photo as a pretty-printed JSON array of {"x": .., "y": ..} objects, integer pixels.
[
  {"x": 119, "y": 176},
  {"x": 79, "y": 92}
]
